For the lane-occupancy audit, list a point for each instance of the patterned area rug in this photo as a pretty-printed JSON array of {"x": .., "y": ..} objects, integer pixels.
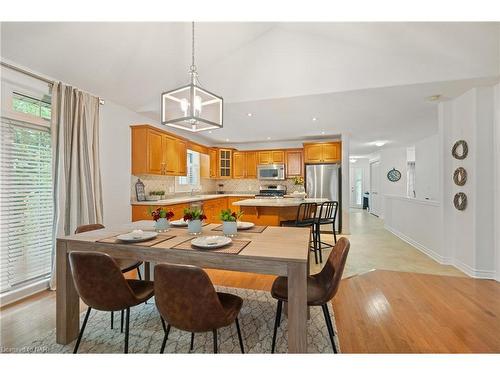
[{"x": 146, "y": 334}]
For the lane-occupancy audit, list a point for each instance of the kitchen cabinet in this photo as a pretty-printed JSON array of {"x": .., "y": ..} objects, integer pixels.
[
  {"x": 212, "y": 209},
  {"x": 271, "y": 157},
  {"x": 213, "y": 155},
  {"x": 231, "y": 200},
  {"x": 225, "y": 163},
  {"x": 140, "y": 212},
  {"x": 294, "y": 163},
  {"x": 244, "y": 164},
  {"x": 326, "y": 152},
  {"x": 157, "y": 153},
  {"x": 204, "y": 166}
]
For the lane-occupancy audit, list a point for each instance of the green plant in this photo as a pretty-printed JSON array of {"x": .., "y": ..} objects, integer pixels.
[
  {"x": 159, "y": 192},
  {"x": 193, "y": 214},
  {"x": 298, "y": 180},
  {"x": 160, "y": 213},
  {"x": 227, "y": 215}
]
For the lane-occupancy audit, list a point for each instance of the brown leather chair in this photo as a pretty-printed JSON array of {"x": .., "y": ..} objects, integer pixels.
[
  {"x": 124, "y": 264},
  {"x": 187, "y": 300},
  {"x": 102, "y": 286},
  {"x": 321, "y": 287}
]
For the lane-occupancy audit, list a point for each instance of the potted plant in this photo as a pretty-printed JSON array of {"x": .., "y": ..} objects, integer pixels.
[
  {"x": 194, "y": 217},
  {"x": 162, "y": 217},
  {"x": 229, "y": 222}
]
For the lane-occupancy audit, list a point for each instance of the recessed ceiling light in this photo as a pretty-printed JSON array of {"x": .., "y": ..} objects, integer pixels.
[
  {"x": 353, "y": 160},
  {"x": 227, "y": 139},
  {"x": 314, "y": 118},
  {"x": 434, "y": 98},
  {"x": 323, "y": 133},
  {"x": 268, "y": 138},
  {"x": 379, "y": 143},
  {"x": 209, "y": 132},
  {"x": 249, "y": 114}
]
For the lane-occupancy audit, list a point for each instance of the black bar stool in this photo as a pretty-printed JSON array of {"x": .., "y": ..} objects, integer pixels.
[
  {"x": 327, "y": 215},
  {"x": 306, "y": 217}
]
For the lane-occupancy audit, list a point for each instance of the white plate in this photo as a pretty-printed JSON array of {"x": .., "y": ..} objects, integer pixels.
[
  {"x": 211, "y": 242},
  {"x": 128, "y": 237},
  {"x": 244, "y": 225},
  {"x": 179, "y": 223}
]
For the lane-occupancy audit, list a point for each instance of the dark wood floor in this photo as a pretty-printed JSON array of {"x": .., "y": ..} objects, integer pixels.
[{"x": 377, "y": 312}]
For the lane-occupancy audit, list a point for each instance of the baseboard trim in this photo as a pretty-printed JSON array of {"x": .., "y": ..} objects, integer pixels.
[
  {"x": 417, "y": 245},
  {"x": 469, "y": 271}
]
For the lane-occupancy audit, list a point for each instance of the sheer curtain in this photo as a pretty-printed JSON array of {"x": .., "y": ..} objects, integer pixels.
[{"x": 76, "y": 174}]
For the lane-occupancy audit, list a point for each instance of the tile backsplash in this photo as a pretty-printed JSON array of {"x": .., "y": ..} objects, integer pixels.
[{"x": 167, "y": 183}]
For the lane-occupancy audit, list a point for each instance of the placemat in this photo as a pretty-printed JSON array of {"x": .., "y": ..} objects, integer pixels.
[
  {"x": 234, "y": 247},
  {"x": 254, "y": 229},
  {"x": 160, "y": 238},
  {"x": 186, "y": 227}
]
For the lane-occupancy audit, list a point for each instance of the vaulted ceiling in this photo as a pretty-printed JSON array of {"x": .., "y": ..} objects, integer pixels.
[{"x": 368, "y": 79}]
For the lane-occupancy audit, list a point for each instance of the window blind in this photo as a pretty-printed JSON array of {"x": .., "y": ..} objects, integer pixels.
[{"x": 26, "y": 207}]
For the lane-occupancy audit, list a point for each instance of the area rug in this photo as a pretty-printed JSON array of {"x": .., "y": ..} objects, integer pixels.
[{"x": 146, "y": 334}]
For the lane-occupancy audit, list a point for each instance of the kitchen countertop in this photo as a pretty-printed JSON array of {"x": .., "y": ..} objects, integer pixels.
[
  {"x": 277, "y": 202},
  {"x": 187, "y": 199}
]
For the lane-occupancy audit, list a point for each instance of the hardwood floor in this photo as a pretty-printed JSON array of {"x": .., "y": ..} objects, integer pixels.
[{"x": 400, "y": 312}]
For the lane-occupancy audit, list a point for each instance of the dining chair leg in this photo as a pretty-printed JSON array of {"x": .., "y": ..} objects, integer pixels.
[
  {"x": 121, "y": 322},
  {"x": 329, "y": 326},
  {"x": 191, "y": 347},
  {"x": 318, "y": 241},
  {"x": 167, "y": 331},
  {"x": 334, "y": 234},
  {"x": 215, "y": 341},
  {"x": 240, "y": 339},
  {"x": 276, "y": 324},
  {"x": 139, "y": 273},
  {"x": 315, "y": 248},
  {"x": 81, "y": 330},
  {"x": 112, "y": 318},
  {"x": 127, "y": 323}
]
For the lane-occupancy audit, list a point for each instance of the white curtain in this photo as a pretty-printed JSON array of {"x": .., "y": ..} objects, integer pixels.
[{"x": 76, "y": 173}]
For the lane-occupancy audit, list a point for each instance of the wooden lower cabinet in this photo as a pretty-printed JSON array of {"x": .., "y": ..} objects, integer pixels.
[
  {"x": 140, "y": 212},
  {"x": 212, "y": 209}
]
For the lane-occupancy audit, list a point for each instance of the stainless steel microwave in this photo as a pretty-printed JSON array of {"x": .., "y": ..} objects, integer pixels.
[{"x": 271, "y": 172}]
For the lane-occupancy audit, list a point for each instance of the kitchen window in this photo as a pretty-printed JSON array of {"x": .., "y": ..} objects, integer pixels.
[
  {"x": 26, "y": 204},
  {"x": 192, "y": 179}
]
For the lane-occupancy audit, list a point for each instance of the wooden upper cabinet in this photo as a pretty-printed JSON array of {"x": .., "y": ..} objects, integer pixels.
[
  {"x": 204, "y": 166},
  {"x": 294, "y": 163},
  {"x": 182, "y": 157},
  {"x": 213, "y": 155},
  {"x": 278, "y": 157},
  {"x": 327, "y": 152},
  {"x": 251, "y": 164},
  {"x": 239, "y": 164},
  {"x": 157, "y": 153},
  {"x": 271, "y": 157},
  {"x": 225, "y": 163}
]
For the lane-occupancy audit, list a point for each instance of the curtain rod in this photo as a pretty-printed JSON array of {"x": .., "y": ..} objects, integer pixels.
[{"x": 33, "y": 75}]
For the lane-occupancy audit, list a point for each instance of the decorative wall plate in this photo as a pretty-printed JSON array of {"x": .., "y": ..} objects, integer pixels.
[
  {"x": 460, "y": 201},
  {"x": 394, "y": 175},
  {"x": 460, "y": 176},
  {"x": 460, "y": 150}
]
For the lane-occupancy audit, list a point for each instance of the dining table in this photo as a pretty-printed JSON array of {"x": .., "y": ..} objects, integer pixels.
[{"x": 271, "y": 251}]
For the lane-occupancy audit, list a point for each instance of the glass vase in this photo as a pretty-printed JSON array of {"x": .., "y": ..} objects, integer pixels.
[
  {"x": 162, "y": 225},
  {"x": 229, "y": 228},
  {"x": 194, "y": 226}
]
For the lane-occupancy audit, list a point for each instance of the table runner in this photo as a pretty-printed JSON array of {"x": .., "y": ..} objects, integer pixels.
[
  {"x": 254, "y": 229},
  {"x": 234, "y": 247}
]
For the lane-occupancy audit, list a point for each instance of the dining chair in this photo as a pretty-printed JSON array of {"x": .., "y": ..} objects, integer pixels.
[
  {"x": 187, "y": 300},
  {"x": 125, "y": 265},
  {"x": 102, "y": 286},
  {"x": 327, "y": 215},
  {"x": 306, "y": 213},
  {"x": 321, "y": 287}
]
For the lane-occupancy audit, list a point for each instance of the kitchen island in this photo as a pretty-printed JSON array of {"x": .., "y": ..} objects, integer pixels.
[{"x": 272, "y": 211}]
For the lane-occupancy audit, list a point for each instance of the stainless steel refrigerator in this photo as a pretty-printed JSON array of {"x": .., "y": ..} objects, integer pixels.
[{"x": 323, "y": 181}]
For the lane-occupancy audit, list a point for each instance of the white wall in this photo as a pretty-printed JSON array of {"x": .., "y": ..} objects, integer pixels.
[
  {"x": 392, "y": 158},
  {"x": 496, "y": 161},
  {"x": 427, "y": 180}
]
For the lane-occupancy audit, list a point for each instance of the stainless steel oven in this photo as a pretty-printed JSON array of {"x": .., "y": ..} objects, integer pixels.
[{"x": 271, "y": 172}]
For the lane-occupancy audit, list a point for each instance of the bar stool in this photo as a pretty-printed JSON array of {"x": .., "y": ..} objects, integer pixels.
[
  {"x": 125, "y": 265},
  {"x": 306, "y": 213},
  {"x": 321, "y": 288},
  {"x": 102, "y": 286},
  {"x": 187, "y": 300},
  {"x": 327, "y": 215}
]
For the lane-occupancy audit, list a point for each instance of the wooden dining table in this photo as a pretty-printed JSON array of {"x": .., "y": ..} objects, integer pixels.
[{"x": 274, "y": 251}]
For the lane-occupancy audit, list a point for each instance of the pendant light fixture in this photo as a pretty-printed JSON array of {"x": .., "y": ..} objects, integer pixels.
[{"x": 191, "y": 107}]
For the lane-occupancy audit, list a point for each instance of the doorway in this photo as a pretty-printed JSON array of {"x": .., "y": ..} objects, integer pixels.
[
  {"x": 375, "y": 188},
  {"x": 356, "y": 198}
]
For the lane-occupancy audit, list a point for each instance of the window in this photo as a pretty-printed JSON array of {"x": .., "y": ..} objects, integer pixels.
[
  {"x": 192, "y": 179},
  {"x": 31, "y": 106},
  {"x": 25, "y": 201}
]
